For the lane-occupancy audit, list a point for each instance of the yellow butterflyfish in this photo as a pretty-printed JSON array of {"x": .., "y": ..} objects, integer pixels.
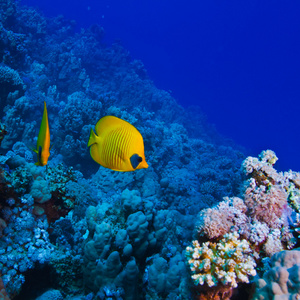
[
  {"x": 117, "y": 145},
  {"x": 43, "y": 141}
]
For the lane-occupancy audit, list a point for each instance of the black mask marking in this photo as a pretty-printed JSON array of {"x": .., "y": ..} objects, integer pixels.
[{"x": 135, "y": 160}]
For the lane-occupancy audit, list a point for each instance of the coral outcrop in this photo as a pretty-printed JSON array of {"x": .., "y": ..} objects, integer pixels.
[
  {"x": 282, "y": 280},
  {"x": 265, "y": 217},
  {"x": 228, "y": 261}
]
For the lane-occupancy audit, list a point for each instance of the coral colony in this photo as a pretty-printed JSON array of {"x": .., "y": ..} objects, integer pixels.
[{"x": 201, "y": 222}]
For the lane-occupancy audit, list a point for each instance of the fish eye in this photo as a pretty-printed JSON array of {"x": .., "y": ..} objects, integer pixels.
[{"x": 135, "y": 160}]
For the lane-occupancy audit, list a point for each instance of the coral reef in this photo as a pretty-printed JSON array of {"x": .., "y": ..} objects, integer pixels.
[
  {"x": 11, "y": 82},
  {"x": 282, "y": 279},
  {"x": 24, "y": 236},
  {"x": 228, "y": 261},
  {"x": 111, "y": 251},
  {"x": 268, "y": 196},
  {"x": 266, "y": 216},
  {"x": 229, "y": 214},
  {"x": 91, "y": 233}
]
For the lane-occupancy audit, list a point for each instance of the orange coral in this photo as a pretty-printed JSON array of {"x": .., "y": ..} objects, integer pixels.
[{"x": 219, "y": 292}]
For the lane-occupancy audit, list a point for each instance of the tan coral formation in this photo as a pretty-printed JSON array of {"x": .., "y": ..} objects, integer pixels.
[{"x": 282, "y": 281}]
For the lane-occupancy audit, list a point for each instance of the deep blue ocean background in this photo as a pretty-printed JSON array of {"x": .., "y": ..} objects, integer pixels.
[{"x": 238, "y": 61}]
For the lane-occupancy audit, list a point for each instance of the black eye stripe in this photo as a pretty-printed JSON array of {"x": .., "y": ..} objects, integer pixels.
[{"x": 135, "y": 160}]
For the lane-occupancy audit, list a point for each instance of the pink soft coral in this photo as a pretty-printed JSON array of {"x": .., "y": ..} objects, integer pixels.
[
  {"x": 266, "y": 204},
  {"x": 227, "y": 215}
]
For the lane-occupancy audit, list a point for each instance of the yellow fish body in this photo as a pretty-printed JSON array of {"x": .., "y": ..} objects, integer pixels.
[
  {"x": 117, "y": 145},
  {"x": 43, "y": 141}
]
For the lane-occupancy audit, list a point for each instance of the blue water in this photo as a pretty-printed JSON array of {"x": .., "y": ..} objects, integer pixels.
[{"x": 238, "y": 61}]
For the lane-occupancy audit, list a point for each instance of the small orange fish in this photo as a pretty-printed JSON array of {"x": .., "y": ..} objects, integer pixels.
[
  {"x": 117, "y": 145},
  {"x": 43, "y": 141}
]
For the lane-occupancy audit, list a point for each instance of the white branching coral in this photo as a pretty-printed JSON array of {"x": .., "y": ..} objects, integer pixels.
[{"x": 228, "y": 261}]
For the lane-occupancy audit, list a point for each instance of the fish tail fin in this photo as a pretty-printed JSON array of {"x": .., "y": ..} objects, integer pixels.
[{"x": 92, "y": 139}]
